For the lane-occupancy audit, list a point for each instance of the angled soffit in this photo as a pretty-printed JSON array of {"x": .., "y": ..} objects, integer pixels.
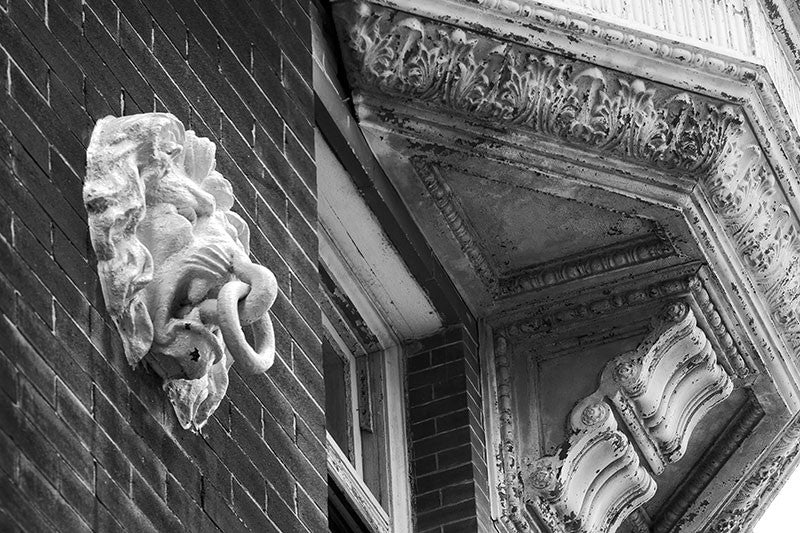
[{"x": 578, "y": 169}]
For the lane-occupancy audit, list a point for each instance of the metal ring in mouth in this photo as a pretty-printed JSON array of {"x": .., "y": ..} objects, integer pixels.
[
  {"x": 263, "y": 290},
  {"x": 256, "y": 359}
]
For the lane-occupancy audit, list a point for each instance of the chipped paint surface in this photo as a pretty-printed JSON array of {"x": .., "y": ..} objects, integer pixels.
[{"x": 490, "y": 90}]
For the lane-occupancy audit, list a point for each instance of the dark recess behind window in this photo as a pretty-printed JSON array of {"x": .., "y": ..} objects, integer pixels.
[{"x": 337, "y": 412}]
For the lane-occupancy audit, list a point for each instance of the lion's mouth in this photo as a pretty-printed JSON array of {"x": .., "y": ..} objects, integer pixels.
[
  {"x": 212, "y": 296},
  {"x": 184, "y": 317}
]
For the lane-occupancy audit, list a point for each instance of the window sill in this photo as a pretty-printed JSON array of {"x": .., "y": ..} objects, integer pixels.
[{"x": 359, "y": 496}]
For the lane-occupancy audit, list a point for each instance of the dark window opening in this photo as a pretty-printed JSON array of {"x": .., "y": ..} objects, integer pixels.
[
  {"x": 342, "y": 517},
  {"x": 338, "y": 418}
]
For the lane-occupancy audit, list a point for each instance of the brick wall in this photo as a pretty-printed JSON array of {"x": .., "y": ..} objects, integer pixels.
[
  {"x": 448, "y": 451},
  {"x": 86, "y": 443}
]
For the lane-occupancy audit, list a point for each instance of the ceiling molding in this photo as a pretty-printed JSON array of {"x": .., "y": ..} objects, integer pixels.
[
  {"x": 593, "y": 263},
  {"x": 503, "y": 84},
  {"x": 511, "y": 498},
  {"x": 458, "y": 223},
  {"x": 735, "y": 360},
  {"x": 553, "y": 317},
  {"x": 761, "y": 485},
  {"x": 508, "y": 85},
  {"x": 709, "y": 465}
]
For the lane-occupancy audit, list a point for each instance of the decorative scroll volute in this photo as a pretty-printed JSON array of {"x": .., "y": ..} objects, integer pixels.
[
  {"x": 665, "y": 387},
  {"x": 594, "y": 480},
  {"x": 660, "y": 390},
  {"x": 173, "y": 260}
]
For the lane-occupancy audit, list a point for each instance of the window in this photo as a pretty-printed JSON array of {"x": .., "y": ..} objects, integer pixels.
[
  {"x": 358, "y": 463},
  {"x": 362, "y": 362},
  {"x": 338, "y": 397}
]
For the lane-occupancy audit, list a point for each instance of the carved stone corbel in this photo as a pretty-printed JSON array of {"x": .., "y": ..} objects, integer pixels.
[
  {"x": 173, "y": 260},
  {"x": 660, "y": 390},
  {"x": 594, "y": 481}
]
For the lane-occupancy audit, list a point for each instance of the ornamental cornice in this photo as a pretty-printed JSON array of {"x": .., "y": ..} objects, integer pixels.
[
  {"x": 508, "y": 85},
  {"x": 539, "y": 17},
  {"x": 761, "y": 485},
  {"x": 508, "y": 486},
  {"x": 762, "y": 226},
  {"x": 764, "y": 78},
  {"x": 511, "y": 87}
]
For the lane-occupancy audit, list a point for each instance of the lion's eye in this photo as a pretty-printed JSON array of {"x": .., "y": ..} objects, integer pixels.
[
  {"x": 171, "y": 148},
  {"x": 97, "y": 205}
]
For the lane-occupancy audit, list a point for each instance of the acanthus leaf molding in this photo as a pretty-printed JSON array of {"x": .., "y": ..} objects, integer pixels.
[
  {"x": 759, "y": 221},
  {"x": 510, "y": 85}
]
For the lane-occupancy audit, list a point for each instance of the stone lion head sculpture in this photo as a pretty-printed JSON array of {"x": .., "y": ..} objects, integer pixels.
[{"x": 173, "y": 260}]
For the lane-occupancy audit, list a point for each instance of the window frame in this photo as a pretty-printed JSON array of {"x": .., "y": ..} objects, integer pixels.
[{"x": 391, "y": 366}]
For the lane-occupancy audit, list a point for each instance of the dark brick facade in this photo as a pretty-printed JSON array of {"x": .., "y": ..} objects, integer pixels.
[
  {"x": 86, "y": 443},
  {"x": 448, "y": 451}
]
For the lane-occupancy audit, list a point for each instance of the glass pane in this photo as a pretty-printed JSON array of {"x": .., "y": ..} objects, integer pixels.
[{"x": 337, "y": 407}]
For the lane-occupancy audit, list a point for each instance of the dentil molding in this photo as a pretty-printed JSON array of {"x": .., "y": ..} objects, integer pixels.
[{"x": 173, "y": 260}]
